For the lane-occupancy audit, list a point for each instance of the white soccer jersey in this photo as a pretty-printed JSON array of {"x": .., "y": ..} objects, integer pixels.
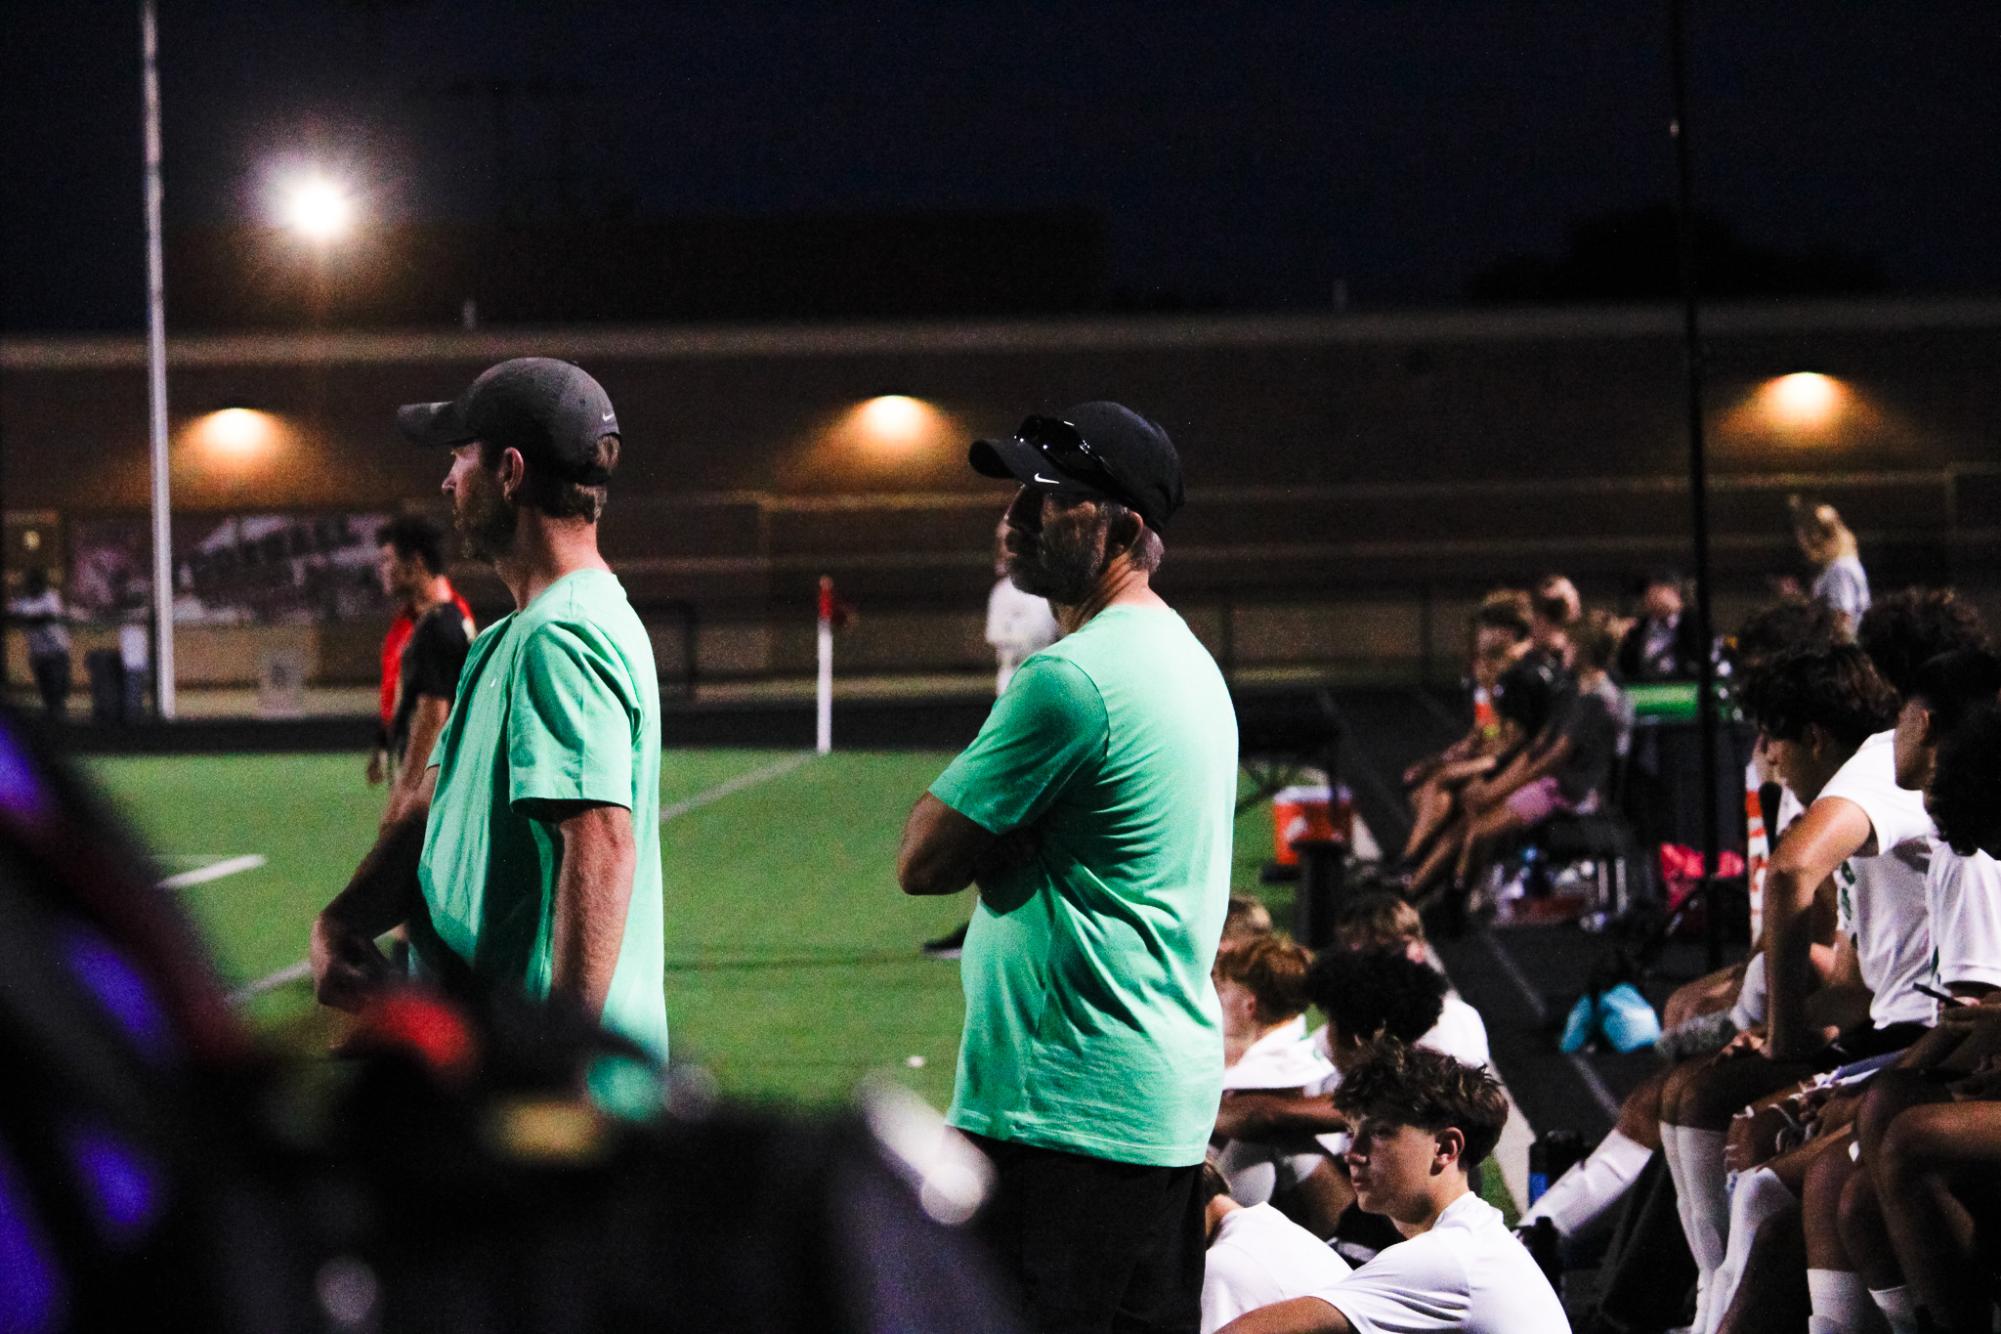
[
  {"x": 1257, "y": 1170},
  {"x": 1259, "y": 1257},
  {"x": 1286, "y": 1058},
  {"x": 1468, "y": 1273},
  {"x": 1459, "y": 1033},
  {"x": 1881, "y": 898},
  {"x": 1964, "y": 895}
]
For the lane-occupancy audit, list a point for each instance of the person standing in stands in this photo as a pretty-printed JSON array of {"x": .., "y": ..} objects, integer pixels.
[
  {"x": 1094, "y": 812},
  {"x": 410, "y": 564},
  {"x": 430, "y": 635},
  {"x": 1664, "y": 644},
  {"x": 39, "y": 609},
  {"x": 1827, "y": 542}
]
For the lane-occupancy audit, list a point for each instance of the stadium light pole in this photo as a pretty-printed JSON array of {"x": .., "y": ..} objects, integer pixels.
[
  {"x": 1698, "y": 480},
  {"x": 156, "y": 373}
]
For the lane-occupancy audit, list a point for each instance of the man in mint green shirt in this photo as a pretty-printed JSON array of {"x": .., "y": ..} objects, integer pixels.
[
  {"x": 1094, "y": 813},
  {"x": 531, "y": 860}
]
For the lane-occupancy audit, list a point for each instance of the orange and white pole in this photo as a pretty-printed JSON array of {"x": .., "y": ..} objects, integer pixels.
[{"x": 824, "y": 741}]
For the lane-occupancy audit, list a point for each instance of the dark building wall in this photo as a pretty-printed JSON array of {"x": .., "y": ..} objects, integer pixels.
[{"x": 1372, "y": 457}]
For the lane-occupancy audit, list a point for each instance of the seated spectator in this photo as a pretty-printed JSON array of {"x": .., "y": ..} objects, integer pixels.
[
  {"x": 1568, "y": 769},
  {"x": 1256, "y": 1256},
  {"x": 1366, "y": 998},
  {"x": 1381, "y": 920},
  {"x": 1665, "y": 643},
  {"x": 1826, "y": 542},
  {"x": 1529, "y": 701},
  {"x": 1820, "y": 714},
  {"x": 1932, "y": 1164},
  {"x": 1422, "y": 1124},
  {"x": 1851, "y": 1262},
  {"x": 1500, "y": 634},
  {"x": 1369, "y": 998},
  {"x": 1244, "y": 918},
  {"x": 1261, "y": 984},
  {"x": 1906, "y": 630},
  {"x": 1554, "y": 609}
]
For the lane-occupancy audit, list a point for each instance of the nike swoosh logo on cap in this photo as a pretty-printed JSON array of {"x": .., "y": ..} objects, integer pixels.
[
  {"x": 1049, "y": 481},
  {"x": 606, "y": 417}
]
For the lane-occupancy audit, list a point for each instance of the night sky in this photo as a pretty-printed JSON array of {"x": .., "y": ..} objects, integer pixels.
[{"x": 1244, "y": 155}]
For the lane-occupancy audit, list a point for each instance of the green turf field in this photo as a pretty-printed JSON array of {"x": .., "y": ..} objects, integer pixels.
[{"x": 792, "y": 964}]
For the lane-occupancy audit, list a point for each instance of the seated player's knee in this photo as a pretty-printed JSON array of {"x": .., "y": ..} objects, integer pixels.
[
  {"x": 1640, "y": 1114},
  {"x": 1710, "y": 1098},
  {"x": 1820, "y": 1203},
  {"x": 1908, "y": 1148},
  {"x": 1672, "y": 1090},
  {"x": 1889, "y": 1094},
  {"x": 1860, "y": 1222}
]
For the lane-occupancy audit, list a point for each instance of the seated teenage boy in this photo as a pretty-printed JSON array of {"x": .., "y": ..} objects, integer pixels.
[
  {"x": 1822, "y": 715},
  {"x": 1422, "y": 1124},
  {"x": 1256, "y": 1255}
]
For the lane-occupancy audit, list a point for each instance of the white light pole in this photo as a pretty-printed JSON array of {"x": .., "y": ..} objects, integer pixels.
[{"x": 156, "y": 373}]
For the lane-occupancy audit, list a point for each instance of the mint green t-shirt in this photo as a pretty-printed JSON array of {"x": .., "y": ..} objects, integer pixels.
[
  {"x": 1091, "y": 1022},
  {"x": 558, "y": 702}
]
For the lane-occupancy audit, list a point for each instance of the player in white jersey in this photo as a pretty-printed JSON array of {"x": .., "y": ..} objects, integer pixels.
[
  {"x": 1422, "y": 1124},
  {"x": 1820, "y": 711}
]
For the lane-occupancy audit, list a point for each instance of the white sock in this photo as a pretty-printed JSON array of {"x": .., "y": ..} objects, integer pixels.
[
  {"x": 1841, "y": 1302},
  {"x": 1671, "y": 1151},
  {"x": 1758, "y": 1195},
  {"x": 1707, "y": 1181},
  {"x": 1895, "y": 1304},
  {"x": 1589, "y": 1190}
]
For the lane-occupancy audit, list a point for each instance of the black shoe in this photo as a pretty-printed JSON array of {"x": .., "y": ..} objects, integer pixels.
[{"x": 948, "y": 946}]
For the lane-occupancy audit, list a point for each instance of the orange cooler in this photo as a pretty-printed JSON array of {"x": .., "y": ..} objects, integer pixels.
[{"x": 1309, "y": 812}]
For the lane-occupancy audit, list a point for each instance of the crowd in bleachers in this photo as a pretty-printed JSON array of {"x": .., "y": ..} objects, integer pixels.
[{"x": 1821, "y": 1146}]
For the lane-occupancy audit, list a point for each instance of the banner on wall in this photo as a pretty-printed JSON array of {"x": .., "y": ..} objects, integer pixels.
[{"x": 240, "y": 569}]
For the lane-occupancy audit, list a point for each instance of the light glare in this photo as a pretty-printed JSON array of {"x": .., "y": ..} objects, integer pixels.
[
  {"x": 237, "y": 432},
  {"x": 318, "y": 209},
  {"x": 1804, "y": 399},
  {"x": 895, "y": 419}
]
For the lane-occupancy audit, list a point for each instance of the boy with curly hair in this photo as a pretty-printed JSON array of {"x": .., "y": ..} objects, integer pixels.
[{"x": 1422, "y": 1124}]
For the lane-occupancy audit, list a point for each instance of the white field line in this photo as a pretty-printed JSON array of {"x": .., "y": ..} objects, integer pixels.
[
  {"x": 301, "y": 970},
  {"x": 215, "y": 870},
  {"x": 284, "y": 977},
  {"x": 731, "y": 786}
]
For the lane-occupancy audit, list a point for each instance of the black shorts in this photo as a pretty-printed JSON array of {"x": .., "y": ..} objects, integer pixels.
[
  {"x": 1865, "y": 1040},
  {"x": 1094, "y": 1245}
]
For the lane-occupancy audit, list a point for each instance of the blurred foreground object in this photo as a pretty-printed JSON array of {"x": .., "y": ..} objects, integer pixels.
[{"x": 449, "y": 1175}]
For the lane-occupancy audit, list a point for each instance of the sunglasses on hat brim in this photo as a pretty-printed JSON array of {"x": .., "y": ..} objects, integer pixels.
[{"x": 1066, "y": 448}]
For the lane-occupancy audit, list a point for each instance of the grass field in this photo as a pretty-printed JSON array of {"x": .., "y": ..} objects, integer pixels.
[{"x": 792, "y": 964}]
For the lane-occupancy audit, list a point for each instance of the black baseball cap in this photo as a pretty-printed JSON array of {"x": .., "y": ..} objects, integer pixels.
[
  {"x": 1095, "y": 449},
  {"x": 550, "y": 410}
]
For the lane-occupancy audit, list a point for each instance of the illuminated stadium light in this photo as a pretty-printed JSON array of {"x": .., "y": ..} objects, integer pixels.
[
  {"x": 237, "y": 433},
  {"x": 897, "y": 421},
  {"x": 318, "y": 209},
  {"x": 1804, "y": 400}
]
